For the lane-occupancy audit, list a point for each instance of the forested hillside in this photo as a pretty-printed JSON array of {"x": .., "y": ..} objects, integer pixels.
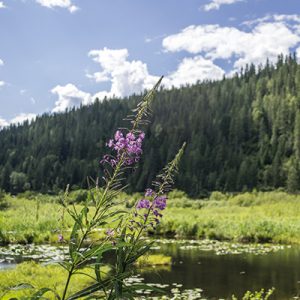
[{"x": 241, "y": 133}]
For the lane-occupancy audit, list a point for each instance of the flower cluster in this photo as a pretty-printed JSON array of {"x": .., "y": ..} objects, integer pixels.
[
  {"x": 159, "y": 203},
  {"x": 129, "y": 145}
]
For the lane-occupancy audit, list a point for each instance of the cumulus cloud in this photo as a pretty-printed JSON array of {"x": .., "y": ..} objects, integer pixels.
[
  {"x": 1, "y": 62},
  {"x": 3, "y": 123},
  {"x": 21, "y": 118},
  {"x": 59, "y": 3},
  {"x": 2, "y": 5},
  {"x": 69, "y": 96},
  {"x": 266, "y": 40},
  {"x": 127, "y": 77},
  {"x": 216, "y": 4},
  {"x": 194, "y": 69}
]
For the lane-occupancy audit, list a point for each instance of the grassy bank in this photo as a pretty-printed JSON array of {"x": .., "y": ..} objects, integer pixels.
[
  {"x": 39, "y": 276},
  {"x": 248, "y": 217}
]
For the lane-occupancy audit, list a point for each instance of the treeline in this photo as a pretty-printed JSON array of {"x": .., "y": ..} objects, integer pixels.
[{"x": 242, "y": 133}]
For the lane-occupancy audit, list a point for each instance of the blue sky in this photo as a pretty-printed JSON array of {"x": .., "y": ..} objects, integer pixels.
[{"x": 56, "y": 54}]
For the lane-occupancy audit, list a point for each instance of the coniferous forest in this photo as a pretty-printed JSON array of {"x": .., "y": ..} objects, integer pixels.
[{"x": 242, "y": 133}]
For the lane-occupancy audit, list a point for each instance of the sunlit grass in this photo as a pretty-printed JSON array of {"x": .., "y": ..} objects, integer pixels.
[
  {"x": 248, "y": 217},
  {"x": 53, "y": 276}
]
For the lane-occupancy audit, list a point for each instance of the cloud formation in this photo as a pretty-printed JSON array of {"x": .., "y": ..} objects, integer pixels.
[
  {"x": 191, "y": 70},
  {"x": 69, "y": 96},
  {"x": 127, "y": 77},
  {"x": 19, "y": 119},
  {"x": 59, "y": 3},
  {"x": 3, "y": 123},
  {"x": 209, "y": 44},
  {"x": 216, "y": 4},
  {"x": 2, "y": 5},
  {"x": 266, "y": 40}
]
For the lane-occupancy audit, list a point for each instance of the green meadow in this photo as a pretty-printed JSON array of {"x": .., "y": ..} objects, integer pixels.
[{"x": 256, "y": 217}]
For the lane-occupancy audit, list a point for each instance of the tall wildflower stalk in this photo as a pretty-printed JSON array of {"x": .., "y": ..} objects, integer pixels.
[{"x": 124, "y": 229}]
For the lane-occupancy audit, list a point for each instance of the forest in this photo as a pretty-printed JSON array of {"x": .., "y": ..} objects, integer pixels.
[{"x": 242, "y": 133}]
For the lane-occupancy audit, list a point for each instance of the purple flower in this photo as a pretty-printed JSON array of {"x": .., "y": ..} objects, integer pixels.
[
  {"x": 110, "y": 232},
  {"x": 130, "y": 147},
  {"x": 157, "y": 214},
  {"x": 144, "y": 203},
  {"x": 130, "y": 136},
  {"x": 60, "y": 238},
  {"x": 149, "y": 192},
  {"x": 160, "y": 202},
  {"x": 118, "y": 135}
]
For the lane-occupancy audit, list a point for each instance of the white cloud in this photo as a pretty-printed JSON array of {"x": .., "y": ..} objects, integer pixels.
[
  {"x": 266, "y": 40},
  {"x": 21, "y": 118},
  {"x": 127, "y": 77},
  {"x": 1, "y": 62},
  {"x": 293, "y": 18},
  {"x": 2, "y": 83},
  {"x": 216, "y": 4},
  {"x": 69, "y": 96},
  {"x": 190, "y": 70},
  {"x": 59, "y": 3},
  {"x": 2, "y": 5},
  {"x": 3, "y": 123},
  {"x": 288, "y": 20},
  {"x": 17, "y": 120}
]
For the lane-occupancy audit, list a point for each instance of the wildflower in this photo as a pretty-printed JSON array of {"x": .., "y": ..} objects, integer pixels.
[
  {"x": 130, "y": 145},
  {"x": 144, "y": 203},
  {"x": 60, "y": 238},
  {"x": 149, "y": 192},
  {"x": 160, "y": 202}
]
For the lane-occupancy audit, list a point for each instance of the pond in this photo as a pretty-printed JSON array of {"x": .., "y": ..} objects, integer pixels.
[{"x": 219, "y": 269}]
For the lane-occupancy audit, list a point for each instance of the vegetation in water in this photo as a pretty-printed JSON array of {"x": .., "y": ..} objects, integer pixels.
[
  {"x": 154, "y": 260},
  {"x": 37, "y": 275}
]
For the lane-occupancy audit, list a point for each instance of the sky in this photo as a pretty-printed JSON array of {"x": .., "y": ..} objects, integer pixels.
[{"x": 56, "y": 54}]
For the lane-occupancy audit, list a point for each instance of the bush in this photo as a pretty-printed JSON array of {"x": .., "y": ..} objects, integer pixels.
[{"x": 3, "y": 201}]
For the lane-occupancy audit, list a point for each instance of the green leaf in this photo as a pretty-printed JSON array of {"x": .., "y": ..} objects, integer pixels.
[
  {"x": 97, "y": 268},
  {"x": 74, "y": 238},
  {"x": 139, "y": 253},
  {"x": 41, "y": 292},
  {"x": 21, "y": 286}
]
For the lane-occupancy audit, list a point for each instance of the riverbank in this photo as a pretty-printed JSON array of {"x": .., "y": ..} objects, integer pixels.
[{"x": 257, "y": 217}]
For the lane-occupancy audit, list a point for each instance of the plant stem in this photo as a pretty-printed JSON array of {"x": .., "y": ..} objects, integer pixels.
[{"x": 68, "y": 282}]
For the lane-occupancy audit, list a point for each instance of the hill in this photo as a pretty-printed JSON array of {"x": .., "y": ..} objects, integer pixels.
[{"x": 241, "y": 132}]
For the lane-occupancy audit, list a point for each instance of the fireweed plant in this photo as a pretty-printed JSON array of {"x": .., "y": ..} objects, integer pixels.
[{"x": 124, "y": 229}]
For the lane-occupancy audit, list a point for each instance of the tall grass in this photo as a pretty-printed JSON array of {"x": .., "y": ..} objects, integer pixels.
[{"x": 247, "y": 217}]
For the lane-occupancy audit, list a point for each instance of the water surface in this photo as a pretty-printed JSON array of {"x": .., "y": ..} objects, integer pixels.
[{"x": 217, "y": 271}]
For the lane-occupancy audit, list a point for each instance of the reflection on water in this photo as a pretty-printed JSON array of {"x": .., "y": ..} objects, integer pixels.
[{"x": 220, "y": 276}]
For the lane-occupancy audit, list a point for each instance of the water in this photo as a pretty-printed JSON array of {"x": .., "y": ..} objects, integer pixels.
[{"x": 220, "y": 276}]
